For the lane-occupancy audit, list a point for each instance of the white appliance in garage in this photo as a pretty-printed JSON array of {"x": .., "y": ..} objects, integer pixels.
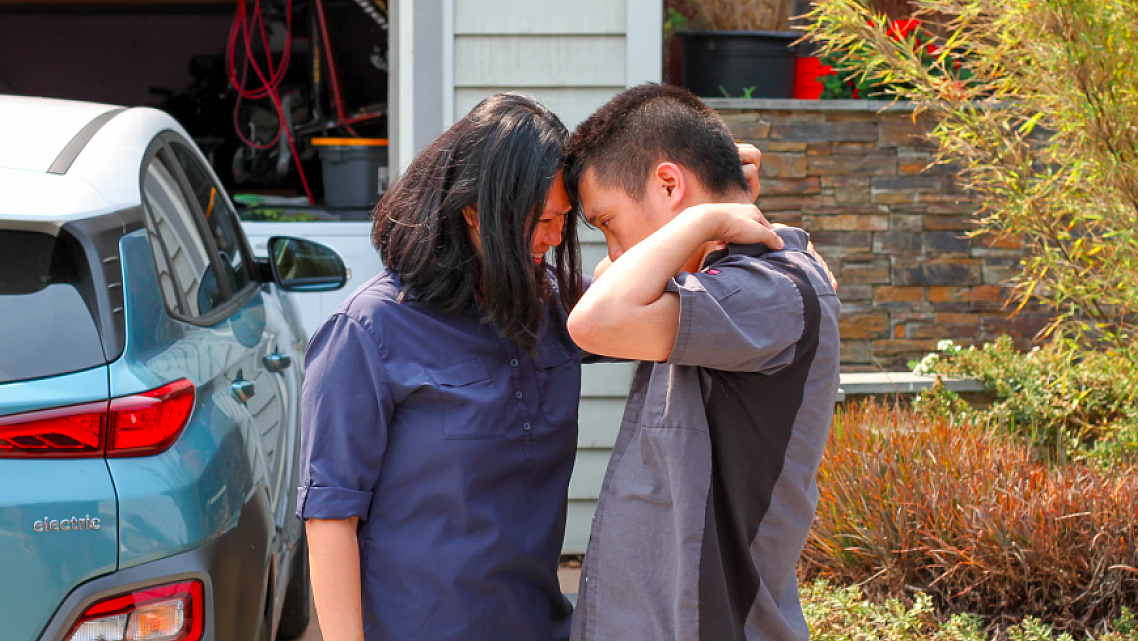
[{"x": 350, "y": 239}]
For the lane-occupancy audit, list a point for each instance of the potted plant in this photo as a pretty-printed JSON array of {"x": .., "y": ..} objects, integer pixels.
[
  {"x": 816, "y": 78},
  {"x": 841, "y": 73},
  {"x": 739, "y": 48}
]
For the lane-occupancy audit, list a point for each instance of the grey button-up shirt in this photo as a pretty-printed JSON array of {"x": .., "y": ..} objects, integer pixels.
[
  {"x": 454, "y": 449},
  {"x": 710, "y": 492}
]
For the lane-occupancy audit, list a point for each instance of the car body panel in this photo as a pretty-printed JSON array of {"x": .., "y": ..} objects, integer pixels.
[
  {"x": 194, "y": 491},
  {"x": 56, "y": 391},
  {"x": 42, "y": 202},
  {"x": 50, "y": 564},
  {"x": 36, "y": 130},
  {"x": 230, "y": 567},
  {"x": 221, "y": 495},
  {"x": 111, "y": 161}
]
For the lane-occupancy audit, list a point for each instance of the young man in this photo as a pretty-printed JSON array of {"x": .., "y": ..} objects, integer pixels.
[{"x": 710, "y": 492}]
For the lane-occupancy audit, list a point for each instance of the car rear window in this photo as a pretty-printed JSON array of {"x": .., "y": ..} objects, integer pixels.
[{"x": 46, "y": 320}]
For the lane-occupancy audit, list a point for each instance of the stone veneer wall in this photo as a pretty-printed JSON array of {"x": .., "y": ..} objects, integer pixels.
[{"x": 893, "y": 231}]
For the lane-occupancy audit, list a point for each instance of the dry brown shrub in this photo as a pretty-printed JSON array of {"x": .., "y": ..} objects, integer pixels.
[
  {"x": 972, "y": 518},
  {"x": 742, "y": 14}
]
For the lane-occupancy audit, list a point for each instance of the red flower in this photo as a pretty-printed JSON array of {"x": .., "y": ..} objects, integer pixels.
[
  {"x": 933, "y": 49},
  {"x": 902, "y": 29},
  {"x": 825, "y": 70}
]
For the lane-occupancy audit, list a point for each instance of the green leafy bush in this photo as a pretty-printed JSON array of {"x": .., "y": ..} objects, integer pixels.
[
  {"x": 1067, "y": 402},
  {"x": 971, "y": 517},
  {"x": 846, "y": 614}
]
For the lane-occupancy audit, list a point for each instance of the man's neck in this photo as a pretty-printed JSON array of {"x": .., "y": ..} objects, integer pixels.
[{"x": 695, "y": 263}]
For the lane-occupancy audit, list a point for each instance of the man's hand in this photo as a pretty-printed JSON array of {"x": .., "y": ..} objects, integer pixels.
[
  {"x": 825, "y": 266},
  {"x": 736, "y": 224},
  {"x": 815, "y": 254},
  {"x": 751, "y": 158}
]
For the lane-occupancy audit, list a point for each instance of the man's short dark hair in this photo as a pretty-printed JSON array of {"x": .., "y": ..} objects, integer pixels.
[{"x": 646, "y": 125}]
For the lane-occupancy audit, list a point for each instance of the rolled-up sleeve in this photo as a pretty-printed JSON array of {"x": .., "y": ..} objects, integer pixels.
[
  {"x": 741, "y": 316},
  {"x": 346, "y": 407}
]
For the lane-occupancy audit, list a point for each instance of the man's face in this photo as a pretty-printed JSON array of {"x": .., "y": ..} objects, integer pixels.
[{"x": 625, "y": 221}]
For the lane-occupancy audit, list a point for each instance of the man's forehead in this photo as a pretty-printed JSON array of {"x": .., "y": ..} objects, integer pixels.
[
  {"x": 592, "y": 190},
  {"x": 587, "y": 193}
]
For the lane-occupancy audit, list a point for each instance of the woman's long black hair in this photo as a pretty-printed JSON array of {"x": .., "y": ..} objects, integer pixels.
[{"x": 502, "y": 158}]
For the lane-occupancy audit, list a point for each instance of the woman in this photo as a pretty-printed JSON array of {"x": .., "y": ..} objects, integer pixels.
[{"x": 440, "y": 402}]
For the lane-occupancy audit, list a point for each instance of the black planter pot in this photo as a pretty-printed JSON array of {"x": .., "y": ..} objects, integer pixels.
[{"x": 735, "y": 61}]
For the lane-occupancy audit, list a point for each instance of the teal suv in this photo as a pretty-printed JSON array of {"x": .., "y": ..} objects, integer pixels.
[{"x": 150, "y": 376}]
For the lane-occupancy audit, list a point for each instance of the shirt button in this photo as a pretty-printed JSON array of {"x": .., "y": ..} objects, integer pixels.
[
  {"x": 513, "y": 362},
  {"x": 518, "y": 394},
  {"x": 527, "y": 427}
]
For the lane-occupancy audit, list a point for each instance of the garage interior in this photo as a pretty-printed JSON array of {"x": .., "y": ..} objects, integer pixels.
[{"x": 228, "y": 70}]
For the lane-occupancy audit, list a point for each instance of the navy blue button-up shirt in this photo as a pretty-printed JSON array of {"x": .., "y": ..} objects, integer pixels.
[{"x": 454, "y": 448}]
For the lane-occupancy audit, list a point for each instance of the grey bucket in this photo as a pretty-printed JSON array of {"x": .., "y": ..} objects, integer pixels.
[{"x": 355, "y": 175}]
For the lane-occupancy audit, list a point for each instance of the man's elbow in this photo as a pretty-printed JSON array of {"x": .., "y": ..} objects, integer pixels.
[
  {"x": 586, "y": 328},
  {"x": 607, "y": 332}
]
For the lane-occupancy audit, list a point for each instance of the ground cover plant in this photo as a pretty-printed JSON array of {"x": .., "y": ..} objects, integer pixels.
[
  {"x": 975, "y": 520},
  {"x": 845, "y": 614}
]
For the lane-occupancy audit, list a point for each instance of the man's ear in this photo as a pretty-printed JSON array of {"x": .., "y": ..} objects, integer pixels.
[{"x": 670, "y": 184}]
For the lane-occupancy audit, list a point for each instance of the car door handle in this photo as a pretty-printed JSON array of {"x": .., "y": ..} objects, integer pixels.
[
  {"x": 277, "y": 362},
  {"x": 242, "y": 389}
]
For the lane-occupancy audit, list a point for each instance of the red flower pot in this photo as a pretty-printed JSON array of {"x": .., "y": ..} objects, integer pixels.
[{"x": 806, "y": 85}]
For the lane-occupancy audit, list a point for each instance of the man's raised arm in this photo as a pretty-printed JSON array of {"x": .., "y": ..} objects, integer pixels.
[{"x": 628, "y": 313}]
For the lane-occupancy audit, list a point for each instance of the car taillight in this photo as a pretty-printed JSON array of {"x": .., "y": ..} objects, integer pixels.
[
  {"x": 137, "y": 425},
  {"x": 60, "y": 432},
  {"x": 150, "y": 422},
  {"x": 166, "y": 613}
]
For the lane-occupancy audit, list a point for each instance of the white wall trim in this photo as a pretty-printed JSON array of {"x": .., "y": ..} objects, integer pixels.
[
  {"x": 644, "y": 42},
  {"x": 402, "y": 127},
  {"x": 448, "y": 64}
]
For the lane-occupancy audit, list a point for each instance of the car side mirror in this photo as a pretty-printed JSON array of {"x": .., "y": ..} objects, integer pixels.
[{"x": 300, "y": 265}]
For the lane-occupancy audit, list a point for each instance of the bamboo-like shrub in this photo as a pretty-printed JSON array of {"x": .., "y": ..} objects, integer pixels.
[{"x": 1045, "y": 128}]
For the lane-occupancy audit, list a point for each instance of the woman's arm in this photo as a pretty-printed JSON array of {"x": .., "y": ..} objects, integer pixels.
[{"x": 334, "y": 560}]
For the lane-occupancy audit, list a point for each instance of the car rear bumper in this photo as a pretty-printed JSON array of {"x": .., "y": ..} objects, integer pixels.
[{"x": 233, "y": 568}]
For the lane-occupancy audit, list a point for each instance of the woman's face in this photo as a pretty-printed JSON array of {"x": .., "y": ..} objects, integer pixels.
[{"x": 551, "y": 223}]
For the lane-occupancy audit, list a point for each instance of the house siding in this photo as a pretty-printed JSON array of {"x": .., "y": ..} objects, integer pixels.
[{"x": 573, "y": 57}]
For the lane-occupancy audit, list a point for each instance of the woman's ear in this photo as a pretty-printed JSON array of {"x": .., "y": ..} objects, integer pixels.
[
  {"x": 470, "y": 213},
  {"x": 670, "y": 184}
]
